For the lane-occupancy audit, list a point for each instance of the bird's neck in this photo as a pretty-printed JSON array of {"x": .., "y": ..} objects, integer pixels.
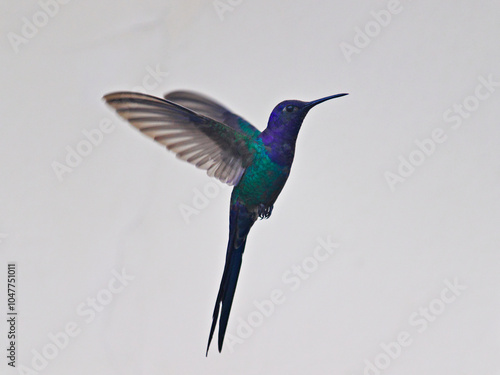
[{"x": 280, "y": 143}]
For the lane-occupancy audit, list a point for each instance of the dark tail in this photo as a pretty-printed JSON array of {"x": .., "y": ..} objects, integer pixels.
[{"x": 240, "y": 222}]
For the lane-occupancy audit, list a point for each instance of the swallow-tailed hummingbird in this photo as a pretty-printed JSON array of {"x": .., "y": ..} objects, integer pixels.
[{"x": 208, "y": 135}]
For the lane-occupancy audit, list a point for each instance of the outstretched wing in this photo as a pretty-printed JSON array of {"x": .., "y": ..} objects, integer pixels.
[
  {"x": 208, "y": 144},
  {"x": 210, "y": 108}
]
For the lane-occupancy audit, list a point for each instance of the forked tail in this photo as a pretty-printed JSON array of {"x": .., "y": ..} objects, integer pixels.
[{"x": 240, "y": 222}]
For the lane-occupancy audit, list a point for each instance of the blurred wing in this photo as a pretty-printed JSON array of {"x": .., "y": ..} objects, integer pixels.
[
  {"x": 218, "y": 148},
  {"x": 210, "y": 108}
]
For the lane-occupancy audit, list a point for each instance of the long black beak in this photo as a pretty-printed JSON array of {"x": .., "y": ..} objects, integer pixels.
[{"x": 315, "y": 102}]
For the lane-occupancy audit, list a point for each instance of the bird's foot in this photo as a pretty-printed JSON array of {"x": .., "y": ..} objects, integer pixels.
[{"x": 265, "y": 211}]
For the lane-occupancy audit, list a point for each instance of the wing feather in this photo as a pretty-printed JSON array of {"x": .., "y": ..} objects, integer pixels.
[
  {"x": 210, "y": 108},
  {"x": 219, "y": 148}
]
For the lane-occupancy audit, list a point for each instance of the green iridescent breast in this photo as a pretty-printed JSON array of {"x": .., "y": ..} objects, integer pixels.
[{"x": 262, "y": 181}]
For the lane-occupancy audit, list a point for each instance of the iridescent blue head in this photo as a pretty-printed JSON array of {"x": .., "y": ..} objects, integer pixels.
[{"x": 285, "y": 122}]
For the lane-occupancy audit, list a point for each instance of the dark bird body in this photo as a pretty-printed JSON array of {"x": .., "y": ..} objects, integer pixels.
[{"x": 211, "y": 137}]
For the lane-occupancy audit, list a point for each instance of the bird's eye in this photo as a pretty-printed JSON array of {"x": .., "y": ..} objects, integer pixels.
[{"x": 289, "y": 108}]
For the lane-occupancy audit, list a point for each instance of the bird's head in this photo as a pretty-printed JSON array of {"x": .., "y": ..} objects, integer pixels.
[{"x": 287, "y": 116}]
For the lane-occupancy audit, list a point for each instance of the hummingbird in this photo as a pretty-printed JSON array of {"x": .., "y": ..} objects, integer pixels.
[{"x": 206, "y": 134}]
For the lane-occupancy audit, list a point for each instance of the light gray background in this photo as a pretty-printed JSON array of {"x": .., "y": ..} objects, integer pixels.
[{"x": 119, "y": 208}]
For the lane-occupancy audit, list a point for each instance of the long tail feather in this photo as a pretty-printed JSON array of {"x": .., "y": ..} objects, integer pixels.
[{"x": 240, "y": 222}]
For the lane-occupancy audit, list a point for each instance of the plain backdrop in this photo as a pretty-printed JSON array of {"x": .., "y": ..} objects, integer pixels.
[{"x": 413, "y": 71}]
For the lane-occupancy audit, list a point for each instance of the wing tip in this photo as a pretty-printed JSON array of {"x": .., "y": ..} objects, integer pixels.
[
  {"x": 115, "y": 95},
  {"x": 129, "y": 95}
]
